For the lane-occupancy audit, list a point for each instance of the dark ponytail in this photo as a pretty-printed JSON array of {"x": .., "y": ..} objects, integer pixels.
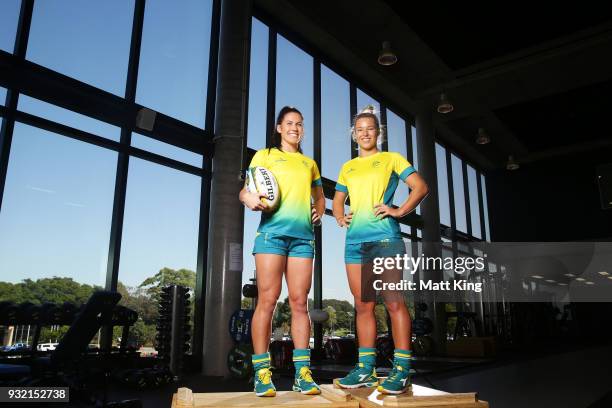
[{"x": 276, "y": 137}]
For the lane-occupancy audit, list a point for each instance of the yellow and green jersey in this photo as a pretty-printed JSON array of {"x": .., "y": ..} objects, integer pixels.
[
  {"x": 295, "y": 174},
  {"x": 370, "y": 181}
]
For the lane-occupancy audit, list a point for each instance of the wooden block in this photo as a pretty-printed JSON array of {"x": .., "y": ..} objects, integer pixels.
[
  {"x": 334, "y": 393},
  {"x": 415, "y": 397},
  {"x": 283, "y": 399},
  {"x": 183, "y": 398}
]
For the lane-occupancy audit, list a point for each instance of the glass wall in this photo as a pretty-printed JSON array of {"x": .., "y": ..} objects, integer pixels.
[
  {"x": 57, "y": 205},
  {"x": 443, "y": 198},
  {"x": 160, "y": 235},
  {"x": 335, "y": 123},
  {"x": 294, "y": 86},
  {"x": 9, "y": 16},
  {"x": 86, "y": 41},
  {"x": 173, "y": 70},
  {"x": 258, "y": 86}
]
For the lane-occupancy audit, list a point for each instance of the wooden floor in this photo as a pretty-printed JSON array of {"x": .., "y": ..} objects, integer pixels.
[{"x": 331, "y": 397}]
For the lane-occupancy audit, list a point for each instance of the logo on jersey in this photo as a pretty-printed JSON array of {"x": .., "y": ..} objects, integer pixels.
[{"x": 375, "y": 164}]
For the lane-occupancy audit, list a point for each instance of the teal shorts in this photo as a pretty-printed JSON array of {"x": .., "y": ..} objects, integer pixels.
[
  {"x": 365, "y": 252},
  {"x": 269, "y": 243}
]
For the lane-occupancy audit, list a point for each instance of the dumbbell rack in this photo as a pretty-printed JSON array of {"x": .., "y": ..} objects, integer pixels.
[
  {"x": 27, "y": 313},
  {"x": 173, "y": 328}
]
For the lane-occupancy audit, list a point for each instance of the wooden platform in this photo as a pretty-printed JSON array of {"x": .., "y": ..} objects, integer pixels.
[{"x": 331, "y": 397}]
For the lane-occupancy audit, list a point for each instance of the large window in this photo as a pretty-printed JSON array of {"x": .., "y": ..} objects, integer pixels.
[
  {"x": 363, "y": 99},
  {"x": 160, "y": 236},
  {"x": 485, "y": 206},
  {"x": 9, "y": 17},
  {"x": 167, "y": 150},
  {"x": 443, "y": 197},
  {"x": 396, "y": 136},
  {"x": 258, "y": 90},
  {"x": 89, "y": 41},
  {"x": 55, "y": 221},
  {"x": 173, "y": 69},
  {"x": 335, "y": 123},
  {"x": 458, "y": 193},
  {"x": 294, "y": 86},
  {"x": 474, "y": 206},
  {"x": 337, "y": 297},
  {"x": 415, "y": 157},
  {"x": 2, "y": 96},
  {"x": 67, "y": 117}
]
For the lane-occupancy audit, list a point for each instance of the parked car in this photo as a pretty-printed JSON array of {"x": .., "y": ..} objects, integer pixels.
[
  {"x": 19, "y": 347},
  {"x": 46, "y": 346}
]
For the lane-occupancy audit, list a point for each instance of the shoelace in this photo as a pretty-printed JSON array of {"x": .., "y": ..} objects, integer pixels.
[
  {"x": 264, "y": 375},
  {"x": 358, "y": 367},
  {"x": 306, "y": 374},
  {"x": 394, "y": 374}
]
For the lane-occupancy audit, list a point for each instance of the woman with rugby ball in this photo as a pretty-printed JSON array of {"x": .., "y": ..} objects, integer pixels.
[
  {"x": 285, "y": 244},
  {"x": 370, "y": 180}
]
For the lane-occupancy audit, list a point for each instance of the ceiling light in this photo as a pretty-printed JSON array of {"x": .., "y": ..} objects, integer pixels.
[
  {"x": 609, "y": 277},
  {"x": 550, "y": 280},
  {"x": 537, "y": 277},
  {"x": 603, "y": 273},
  {"x": 589, "y": 283},
  {"x": 386, "y": 55},
  {"x": 562, "y": 284},
  {"x": 569, "y": 275},
  {"x": 580, "y": 279},
  {"x": 483, "y": 137},
  {"x": 512, "y": 164},
  {"x": 444, "y": 104}
]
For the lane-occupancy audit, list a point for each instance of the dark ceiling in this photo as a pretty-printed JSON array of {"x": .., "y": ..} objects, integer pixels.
[
  {"x": 467, "y": 33},
  {"x": 537, "y": 78},
  {"x": 568, "y": 118}
]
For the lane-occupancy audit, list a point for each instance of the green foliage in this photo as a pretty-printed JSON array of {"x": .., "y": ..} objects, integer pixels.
[
  {"x": 53, "y": 290},
  {"x": 143, "y": 299}
]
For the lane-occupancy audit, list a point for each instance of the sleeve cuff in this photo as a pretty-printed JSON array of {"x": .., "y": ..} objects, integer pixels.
[
  {"x": 408, "y": 171},
  {"x": 341, "y": 187},
  {"x": 317, "y": 183}
]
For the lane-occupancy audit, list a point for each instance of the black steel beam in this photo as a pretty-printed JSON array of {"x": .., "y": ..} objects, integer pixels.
[{"x": 42, "y": 83}]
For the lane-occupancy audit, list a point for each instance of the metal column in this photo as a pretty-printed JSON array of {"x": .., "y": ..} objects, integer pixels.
[
  {"x": 431, "y": 218},
  {"x": 224, "y": 269}
]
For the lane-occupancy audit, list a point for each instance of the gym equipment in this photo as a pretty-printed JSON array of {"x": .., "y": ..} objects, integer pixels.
[
  {"x": 239, "y": 361},
  {"x": 261, "y": 180},
  {"x": 249, "y": 290},
  {"x": 341, "y": 350},
  {"x": 422, "y": 326},
  {"x": 384, "y": 351},
  {"x": 318, "y": 315},
  {"x": 422, "y": 345},
  {"x": 240, "y": 325},
  {"x": 281, "y": 354},
  {"x": 173, "y": 330},
  {"x": 8, "y": 313}
]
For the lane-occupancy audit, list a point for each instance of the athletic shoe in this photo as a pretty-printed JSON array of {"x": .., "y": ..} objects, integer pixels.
[
  {"x": 397, "y": 382},
  {"x": 360, "y": 376},
  {"x": 263, "y": 383},
  {"x": 304, "y": 383}
]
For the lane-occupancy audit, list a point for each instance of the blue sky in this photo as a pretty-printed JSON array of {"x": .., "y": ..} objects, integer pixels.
[{"x": 56, "y": 212}]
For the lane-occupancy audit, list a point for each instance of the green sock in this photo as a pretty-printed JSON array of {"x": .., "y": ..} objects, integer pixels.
[
  {"x": 260, "y": 361},
  {"x": 301, "y": 358},
  {"x": 402, "y": 358},
  {"x": 367, "y": 356}
]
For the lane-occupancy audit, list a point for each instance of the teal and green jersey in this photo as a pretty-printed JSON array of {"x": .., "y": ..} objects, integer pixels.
[
  {"x": 295, "y": 174},
  {"x": 369, "y": 181}
]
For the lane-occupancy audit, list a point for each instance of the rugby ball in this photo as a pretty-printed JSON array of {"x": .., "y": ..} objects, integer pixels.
[{"x": 261, "y": 180}]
